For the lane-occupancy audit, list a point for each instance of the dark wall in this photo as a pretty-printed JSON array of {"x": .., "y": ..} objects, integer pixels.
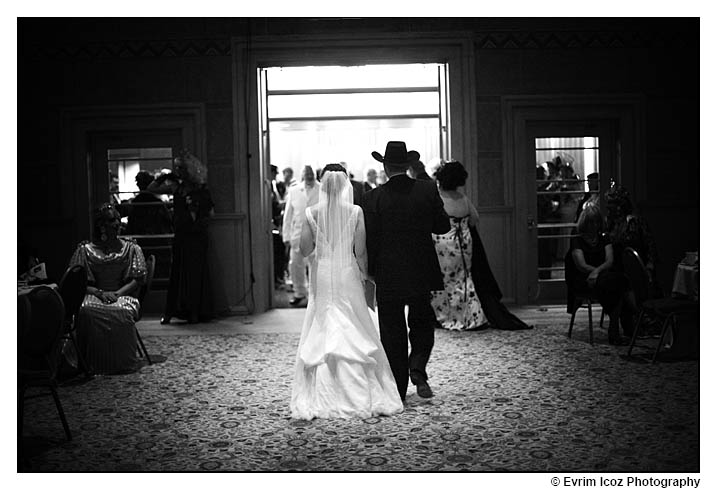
[{"x": 66, "y": 63}]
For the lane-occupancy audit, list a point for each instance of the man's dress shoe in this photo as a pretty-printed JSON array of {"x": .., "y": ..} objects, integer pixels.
[
  {"x": 296, "y": 301},
  {"x": 423, "y": 390}
]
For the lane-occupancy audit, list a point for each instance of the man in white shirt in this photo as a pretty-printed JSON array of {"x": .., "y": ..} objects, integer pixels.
[{"x": 299, "y": 197}]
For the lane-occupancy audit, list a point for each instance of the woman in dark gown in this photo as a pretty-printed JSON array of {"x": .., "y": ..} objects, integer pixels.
[
  {"x": 106, "y": 320},
  {"x": 189, "y": 295}
]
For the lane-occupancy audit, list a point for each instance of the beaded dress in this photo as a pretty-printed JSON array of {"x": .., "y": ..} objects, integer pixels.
[{"x": 106, "y": 332}]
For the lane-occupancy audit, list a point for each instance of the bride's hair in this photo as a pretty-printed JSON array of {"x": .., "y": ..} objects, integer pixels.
[
  {"x": 334, "y": 182},
  {"x": 334, "y": 168}
]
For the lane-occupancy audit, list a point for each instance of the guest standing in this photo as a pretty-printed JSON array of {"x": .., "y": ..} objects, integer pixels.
[
  {"x": 148, "y": 214},
  {"x": 280, "y": 263},
  {"x": 189, "y": 294},
  {"x": 370, "y": 180},
  {"x": 299, "y": 197},
  {"x": 381, "y": 178},
  {"x": 106, "y": 320},
  {"x": 457, "y": 306},
  {"x": 418, "y": 171},
  {"x": 357, "y": 187}
]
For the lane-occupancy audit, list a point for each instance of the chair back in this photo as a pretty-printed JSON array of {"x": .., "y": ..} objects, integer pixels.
[
  {"x": 147, "y": 286},
  {"x": 42, "y": 328},
  {"x": 637, "y": 274},
  {"x": 73, "y": 287},
  {"x": 569, "y": 267}
]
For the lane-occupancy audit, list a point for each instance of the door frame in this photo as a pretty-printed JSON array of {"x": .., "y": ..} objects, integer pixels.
[
  {"x": 552, "y": 291},
  {"x": 250, "y": 54},
  {"x": 625, "y": 111},
  {"x": 80, "y": 123}
]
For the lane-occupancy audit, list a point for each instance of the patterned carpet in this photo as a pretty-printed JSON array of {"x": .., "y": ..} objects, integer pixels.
[{"x": 517, "y": 401}]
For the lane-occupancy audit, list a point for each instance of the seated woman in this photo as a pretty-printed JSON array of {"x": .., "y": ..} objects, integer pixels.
[
  {"x": 457, "y": 307},
  {"x": 106, "y": 321},
  {"x": 591, "y": 271}
]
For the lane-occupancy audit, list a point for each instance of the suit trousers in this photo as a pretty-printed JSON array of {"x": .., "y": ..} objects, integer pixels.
[
  {"x": 298, "y": 271},
  {"x": 392, "y": 329}
]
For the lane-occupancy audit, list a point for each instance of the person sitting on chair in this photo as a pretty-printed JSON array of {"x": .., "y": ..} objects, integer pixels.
[
  {"x": 627, "y": 229},
  {"x": 115, "y": 271},
  {"x": 591, "y": 272}
]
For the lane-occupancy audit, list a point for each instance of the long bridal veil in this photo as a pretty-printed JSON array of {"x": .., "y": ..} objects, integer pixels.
[{"x": 335, "y": 235}]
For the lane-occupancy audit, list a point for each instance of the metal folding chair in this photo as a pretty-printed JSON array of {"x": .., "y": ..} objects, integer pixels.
[{"x": 41, "y": 316}]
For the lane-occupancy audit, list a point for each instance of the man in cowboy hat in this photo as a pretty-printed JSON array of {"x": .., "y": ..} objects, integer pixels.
[{"x": 400, "y": 217}]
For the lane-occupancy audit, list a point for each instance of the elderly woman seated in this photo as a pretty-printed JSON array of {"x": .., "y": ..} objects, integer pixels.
[
  {"x": 589, "y": 269},
  {"x": 106, "y": 321}
]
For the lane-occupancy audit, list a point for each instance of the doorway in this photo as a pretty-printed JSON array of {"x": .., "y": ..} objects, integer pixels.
[
  {"x": 251, "y": 54},
  {"x": 573, "y": 163},
  {"x": 605, "y": 130},
  {"x": 116, "y": 158},
  {"x": 315, "y": 115}
]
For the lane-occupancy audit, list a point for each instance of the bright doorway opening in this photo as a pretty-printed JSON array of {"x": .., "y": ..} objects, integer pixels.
[{"x": 316, "y": 115}]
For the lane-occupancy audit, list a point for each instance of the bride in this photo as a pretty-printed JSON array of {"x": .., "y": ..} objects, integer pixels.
[{"x": 341, "y": 369}]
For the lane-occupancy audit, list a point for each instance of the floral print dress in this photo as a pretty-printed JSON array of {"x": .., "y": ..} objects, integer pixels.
[{"x": 457, "y": 307}]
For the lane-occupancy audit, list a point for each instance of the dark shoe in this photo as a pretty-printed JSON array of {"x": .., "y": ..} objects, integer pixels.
[
  {"x": 165, "y": 319},
  {"x": 423, "y": 390},
  {"x": 296, "y": 301}
]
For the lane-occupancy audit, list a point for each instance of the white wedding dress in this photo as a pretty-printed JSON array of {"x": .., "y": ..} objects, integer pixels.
[{"x": 341, "y": 369}]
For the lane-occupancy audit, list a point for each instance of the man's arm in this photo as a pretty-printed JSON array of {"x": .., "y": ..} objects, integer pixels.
[{"x": 372, "y": 227}]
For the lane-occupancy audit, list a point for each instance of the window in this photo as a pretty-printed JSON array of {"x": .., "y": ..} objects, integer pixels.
[
  {"x": 124, "y": 164},
  {"x": 567, "y": 177},
  {"x": 318, "y": 115}
]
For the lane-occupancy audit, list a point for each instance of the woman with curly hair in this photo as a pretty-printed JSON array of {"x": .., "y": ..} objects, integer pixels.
[
  {"x": 457, "y": 307},
  {"x": 188, "y": 296},
  {"x": 626, "y": 229},
  {"x": 115, "y": 270}
]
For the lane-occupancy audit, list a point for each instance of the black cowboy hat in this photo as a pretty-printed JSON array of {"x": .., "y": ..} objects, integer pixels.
[{"x": 396, "y": 154}]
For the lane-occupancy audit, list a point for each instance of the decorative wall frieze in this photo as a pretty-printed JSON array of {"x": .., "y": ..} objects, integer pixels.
[
  {"x": 514, "y": 39},
  {"x": 131, "y": 49},
  {"x": 583, "y": 40}
]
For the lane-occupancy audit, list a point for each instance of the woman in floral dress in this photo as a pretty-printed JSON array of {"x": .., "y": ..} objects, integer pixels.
[{"x": 457, "y": 307}]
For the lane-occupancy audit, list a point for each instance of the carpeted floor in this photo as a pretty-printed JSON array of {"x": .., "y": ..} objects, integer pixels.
[{"x": 505, "y": 401}]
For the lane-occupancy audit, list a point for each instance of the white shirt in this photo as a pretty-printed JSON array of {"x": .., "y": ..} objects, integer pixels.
[{"x": 299, "y": 197}]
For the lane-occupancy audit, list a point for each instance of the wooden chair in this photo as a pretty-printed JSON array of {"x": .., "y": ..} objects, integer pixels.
[
  {"x": 666, "y": 310},
  {"x": 41, "y": 319},
  {"x": 146, "y": 287},
  {"x": 576, "y": 299}
]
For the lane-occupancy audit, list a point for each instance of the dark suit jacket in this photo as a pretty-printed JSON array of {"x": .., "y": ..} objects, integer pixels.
[
  {"x": 400, "y": 217},
  {"x": 358, "y": 189}
]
